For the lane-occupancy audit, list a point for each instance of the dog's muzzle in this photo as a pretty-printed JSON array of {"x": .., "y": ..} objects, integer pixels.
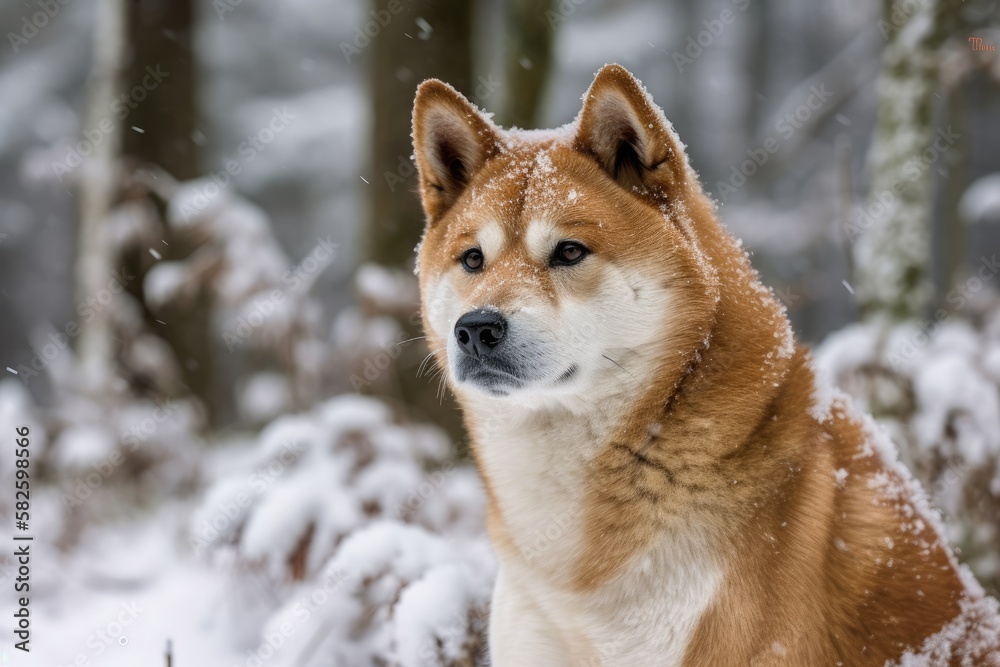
[{"x": 486, "y": 357}]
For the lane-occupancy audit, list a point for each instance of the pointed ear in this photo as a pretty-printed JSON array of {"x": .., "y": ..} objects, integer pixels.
[
  {"x": 451, "y": 140},
  {"x": 627, "y": 133}
]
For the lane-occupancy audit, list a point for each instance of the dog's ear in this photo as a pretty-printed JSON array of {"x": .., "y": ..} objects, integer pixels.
[
  {"x": 627, "y": 133},
  {"x": 451, "y": 140}
]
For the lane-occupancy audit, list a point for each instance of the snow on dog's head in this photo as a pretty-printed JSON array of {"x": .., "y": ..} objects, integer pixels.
[{"x": 558, "y": 264}]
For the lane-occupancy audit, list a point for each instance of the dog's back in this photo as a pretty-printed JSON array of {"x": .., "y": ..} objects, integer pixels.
[{"x": 842, "y": 562}]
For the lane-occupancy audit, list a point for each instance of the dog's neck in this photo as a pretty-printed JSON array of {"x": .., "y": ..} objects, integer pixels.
[
  {"x": 695, "y": 401},
  {"x": 534, "y": 463}
]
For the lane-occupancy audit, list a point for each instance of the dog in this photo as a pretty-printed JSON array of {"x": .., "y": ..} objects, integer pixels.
[{"x": 667, "y": 482}]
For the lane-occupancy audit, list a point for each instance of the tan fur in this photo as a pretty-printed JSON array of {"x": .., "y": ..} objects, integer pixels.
[{"x": 719, "y": 435}]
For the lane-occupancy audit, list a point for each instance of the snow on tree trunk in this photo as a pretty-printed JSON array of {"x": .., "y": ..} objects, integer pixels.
[
  {"x": 98, "y": 187},
  {"x": 892, "y": 235}
]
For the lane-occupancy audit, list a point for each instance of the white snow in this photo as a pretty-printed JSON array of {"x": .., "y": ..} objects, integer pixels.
[
  {"x": 391, "y": 290},
  {"x": 935, "y": 384},
  {"x": 80, "y": 447},
  {"x": 953, "y": 394},
  {"x": 265, "y": 396},
  {"x": 981, "y": 201},
  {"x": 352, "y": 495},
  {"x": 163, "y": 281}
]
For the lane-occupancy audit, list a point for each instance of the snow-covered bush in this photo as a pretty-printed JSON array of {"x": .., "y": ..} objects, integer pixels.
[
  {"x": 260, "y": 300},
  {"x": 132, "y": 443},
  {"x": 364, "y": 531},
  {"x": 370, "y": 338},
  {"x": 18, "y": 410},
  {"x": 124, "y": 448},
  {"x": 936, "y": 386}
]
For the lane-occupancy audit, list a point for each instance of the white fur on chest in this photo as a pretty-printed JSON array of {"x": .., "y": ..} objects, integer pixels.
[
  {"x": 645, "y": 616},
  {"x": 537, "y": 466}
]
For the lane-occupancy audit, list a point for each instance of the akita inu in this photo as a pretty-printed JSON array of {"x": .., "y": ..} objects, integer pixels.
[{"x": 666, "y": 483}]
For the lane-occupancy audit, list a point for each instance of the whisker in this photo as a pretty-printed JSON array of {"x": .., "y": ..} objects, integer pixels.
[
  {"x": 438, "y": 371},
  {"x": 430, "y": 357},
  {"x": 441, "y": 390},
  {"x": 420, "y": 368},
  {"x": 410, "y": 340},
  {"x": 621, "y": 367}
]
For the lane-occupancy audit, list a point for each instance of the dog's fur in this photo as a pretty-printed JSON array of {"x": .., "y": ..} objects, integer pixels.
[{"x": 666, "y": 485}]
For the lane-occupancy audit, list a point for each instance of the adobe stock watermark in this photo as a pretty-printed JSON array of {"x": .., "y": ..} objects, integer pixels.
[
  {"x": 295, "y": 280},
  {"x": 427, "y": 489},
  {"x": 882, "y": 202},
  {"x": 120, "y": 109},
  {"x": 140, "y": 431},
  {"x": 223, "y": 7},
  {"x": 375, "y": 364},
  {"x": 33, "y": 23},
  {"x": 953, "y": 476},
  {"x": 330, "y": 582},
  {"x": 85, "y": 486},
  {"x": 957, "y": 297},
  {"x": 365, "y": 33},
  {"x": 86, "y": 311},
  {"x": 225, "y": 514},
  {"x": 785, "y": 127},
  {"x": 247, "y": 152},
  {"x": 109, "y": 635},
  {"x": 901, "y": 12},
  {"x": 558, "y": 16},
  {"x": 787, "y": 296},
  {"x": 542, "y": 539},
  {"x": 714, "y": 28},
  {"x": 605, "y": 650}
]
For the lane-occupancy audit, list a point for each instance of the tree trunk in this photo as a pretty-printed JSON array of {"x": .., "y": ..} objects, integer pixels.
[
  {"x": 953, "y": 233},
  {"x": 892, "y": 235},
  {"x": 528, "y": 60},
  {"x": 99, "y": 179},
  {"x": 159, "y": 131},
  {"x": 160, "y": 34},
  {"x": 430, "y": 39}
]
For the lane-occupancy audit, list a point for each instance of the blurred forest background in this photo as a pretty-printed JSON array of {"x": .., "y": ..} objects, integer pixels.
[{"x": 208, "y": 315}]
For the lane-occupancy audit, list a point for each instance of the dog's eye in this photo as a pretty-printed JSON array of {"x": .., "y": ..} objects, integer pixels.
[
  {"x": 472, "y": 259},
  {"x": 568, "y": 253}
]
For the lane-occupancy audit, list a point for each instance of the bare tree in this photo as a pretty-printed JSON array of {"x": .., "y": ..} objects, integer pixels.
[
  {"x": 430, "y": 39},
  {"x": 160, "y": 34},
  {"x": 530, "y": 35},
  {"x": 99, "y": 178},
  {"x": 160, "y": 133}
]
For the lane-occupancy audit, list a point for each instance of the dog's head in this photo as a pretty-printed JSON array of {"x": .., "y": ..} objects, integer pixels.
[{"x": 564, "y": 264}]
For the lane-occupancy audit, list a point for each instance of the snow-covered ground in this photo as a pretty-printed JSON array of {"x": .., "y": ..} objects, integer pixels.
[{"x": 125, "y": 590}]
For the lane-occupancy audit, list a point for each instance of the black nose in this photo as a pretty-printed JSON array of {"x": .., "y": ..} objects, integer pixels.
[{"x": 480, "y": 331}]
